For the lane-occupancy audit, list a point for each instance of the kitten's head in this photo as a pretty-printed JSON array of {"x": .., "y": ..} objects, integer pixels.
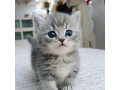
[{"x": 58, "y": 33}]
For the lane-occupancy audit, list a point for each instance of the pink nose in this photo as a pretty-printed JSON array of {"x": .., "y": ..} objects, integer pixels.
[{"x": 61, "y": 40}]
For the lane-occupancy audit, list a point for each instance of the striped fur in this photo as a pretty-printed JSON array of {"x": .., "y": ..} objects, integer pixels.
[{"x": 56, "y": 66}]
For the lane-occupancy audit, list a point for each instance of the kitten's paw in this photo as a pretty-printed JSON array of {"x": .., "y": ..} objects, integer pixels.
[{"x": 67, "y": 87}]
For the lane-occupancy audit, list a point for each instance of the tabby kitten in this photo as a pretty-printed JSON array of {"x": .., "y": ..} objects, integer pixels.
[{"x": 55, "y": 56}]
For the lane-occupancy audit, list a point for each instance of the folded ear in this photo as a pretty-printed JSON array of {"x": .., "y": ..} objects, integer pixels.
[
  {"x": 39, "y": 21},
  {"x": 76, "y": 18}
]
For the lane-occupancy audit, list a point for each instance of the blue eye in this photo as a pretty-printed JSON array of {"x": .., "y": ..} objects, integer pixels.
[
  {"x": 52, "y": 34},
  {"x": 69, "y": 33}
]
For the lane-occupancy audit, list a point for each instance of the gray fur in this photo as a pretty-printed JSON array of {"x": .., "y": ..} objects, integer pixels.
[{"x": 56, "y": 67}]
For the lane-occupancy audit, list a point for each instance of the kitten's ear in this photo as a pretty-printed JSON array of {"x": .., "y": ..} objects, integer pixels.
[
  {"x": 39, "y": 21},
  {"x": 76, "y": 18}
]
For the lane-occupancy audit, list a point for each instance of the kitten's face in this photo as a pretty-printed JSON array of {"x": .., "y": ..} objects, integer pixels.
[{"x": 59, "y": 35}]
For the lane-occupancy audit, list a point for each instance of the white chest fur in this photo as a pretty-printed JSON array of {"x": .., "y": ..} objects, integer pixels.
[{"x": 62, "y": 69}]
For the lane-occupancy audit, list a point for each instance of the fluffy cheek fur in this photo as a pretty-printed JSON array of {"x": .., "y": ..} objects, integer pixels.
[{"x": 55, "y": 48}]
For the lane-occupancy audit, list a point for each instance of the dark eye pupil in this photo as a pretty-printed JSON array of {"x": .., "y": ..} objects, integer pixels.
[
  {"x": 52, "y": 34},
  {"x": 68, "y": 33}
]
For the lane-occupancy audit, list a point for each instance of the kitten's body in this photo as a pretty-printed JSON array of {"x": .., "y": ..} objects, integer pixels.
[{"x": 56, "y": 65}]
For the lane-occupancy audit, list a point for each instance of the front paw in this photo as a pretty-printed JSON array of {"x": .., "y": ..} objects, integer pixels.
[{"x": 69, "y": 87}]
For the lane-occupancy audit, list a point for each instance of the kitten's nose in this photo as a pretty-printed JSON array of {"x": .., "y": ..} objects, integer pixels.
[{"x": 61, "y": 40}]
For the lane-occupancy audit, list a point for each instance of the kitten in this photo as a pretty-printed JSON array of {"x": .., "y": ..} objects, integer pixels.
[{"x": 55, "y": 56}]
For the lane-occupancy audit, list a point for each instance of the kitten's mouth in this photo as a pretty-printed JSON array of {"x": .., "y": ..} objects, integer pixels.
[{"x": 62, "y": 45}]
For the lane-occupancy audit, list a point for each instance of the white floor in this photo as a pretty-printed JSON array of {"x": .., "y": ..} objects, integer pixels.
[{"x": 91, "y": 76}]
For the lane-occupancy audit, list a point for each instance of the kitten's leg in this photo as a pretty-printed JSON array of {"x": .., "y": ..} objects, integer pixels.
[
  {"x": 48, "y": 85},
  {"x": 67, "y": 84}
]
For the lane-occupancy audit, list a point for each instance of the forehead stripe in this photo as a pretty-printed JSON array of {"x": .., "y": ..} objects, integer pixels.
[{"x": 53, "y": 26}]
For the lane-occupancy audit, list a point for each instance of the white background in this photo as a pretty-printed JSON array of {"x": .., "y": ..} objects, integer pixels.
[
  {"x": 7, "y": 45},
  {"x": 112, "y": 38}
]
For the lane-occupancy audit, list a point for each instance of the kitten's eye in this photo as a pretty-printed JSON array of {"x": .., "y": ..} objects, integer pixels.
[
  {"x": 52, "y": 34},
  {"x": 69, "y": 33}
]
